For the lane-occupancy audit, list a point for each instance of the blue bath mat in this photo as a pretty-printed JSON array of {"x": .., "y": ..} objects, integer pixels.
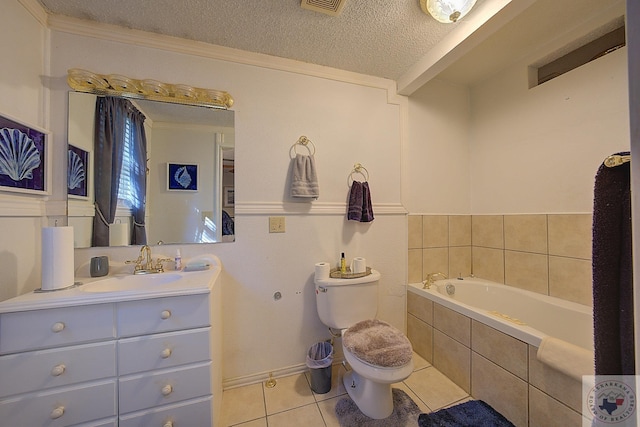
[{"x": 474, "y": 413}]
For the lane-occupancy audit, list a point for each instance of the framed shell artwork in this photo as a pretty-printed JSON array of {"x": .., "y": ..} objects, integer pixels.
[
  {"x": 77, "y": 172},
  {"x": 182, "y": 177},
  {"x": 24, "y": 157}
]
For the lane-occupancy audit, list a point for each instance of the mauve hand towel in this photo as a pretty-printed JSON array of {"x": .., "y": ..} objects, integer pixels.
[{"x": 354, "y": 212}]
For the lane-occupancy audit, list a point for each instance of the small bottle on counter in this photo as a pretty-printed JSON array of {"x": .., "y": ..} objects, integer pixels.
[
  {"x": 178, "y": 260},
  {"x": 343, "y": 264}
]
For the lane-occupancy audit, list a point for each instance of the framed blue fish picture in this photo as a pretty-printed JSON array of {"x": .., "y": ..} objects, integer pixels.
[
  {"x": 77, "y": 172},
  {"x": 182, "y": 177},
  {"x": 23, "y": 157}
]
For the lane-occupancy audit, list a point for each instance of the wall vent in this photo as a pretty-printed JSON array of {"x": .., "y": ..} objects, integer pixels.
[
  {"x": 329, "y": 7},
  {"x": 588, "y": 52}
]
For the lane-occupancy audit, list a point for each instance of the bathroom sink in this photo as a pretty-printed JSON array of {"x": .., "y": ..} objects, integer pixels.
[{"x": 130, "y": 282}]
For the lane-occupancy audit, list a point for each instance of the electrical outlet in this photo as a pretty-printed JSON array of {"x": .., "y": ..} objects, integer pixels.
[{"x": 276, "y": 224}]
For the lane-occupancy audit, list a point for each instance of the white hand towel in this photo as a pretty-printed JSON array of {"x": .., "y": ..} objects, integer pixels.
[
  {"x": 304, "y": 180},
  {"x": 565, "y": 357}
]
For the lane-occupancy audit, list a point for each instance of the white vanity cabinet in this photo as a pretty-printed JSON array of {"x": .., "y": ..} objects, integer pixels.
[
  {"x": 142, "y": 360},
  {"x": 58, "y": 366}
]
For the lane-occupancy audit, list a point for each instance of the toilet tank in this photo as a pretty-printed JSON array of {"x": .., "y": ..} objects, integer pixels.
[{"x": 344, "y": 302}]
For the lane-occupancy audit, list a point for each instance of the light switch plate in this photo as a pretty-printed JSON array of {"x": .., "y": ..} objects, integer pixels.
[{"x": 276, "y": 224}]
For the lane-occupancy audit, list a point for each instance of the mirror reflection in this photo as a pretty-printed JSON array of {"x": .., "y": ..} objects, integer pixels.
[{"x": 149, "y": 172}]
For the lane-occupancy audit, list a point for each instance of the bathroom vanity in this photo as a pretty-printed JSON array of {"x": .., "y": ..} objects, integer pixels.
[{"x": 141, "y": 355}]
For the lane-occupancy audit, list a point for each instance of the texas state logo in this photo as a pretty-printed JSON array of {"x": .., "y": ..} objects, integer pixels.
[{"x": 612, "y": 402}]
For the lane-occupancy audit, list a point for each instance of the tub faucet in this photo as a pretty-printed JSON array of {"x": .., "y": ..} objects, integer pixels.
[{"x": 431, "y": 278}]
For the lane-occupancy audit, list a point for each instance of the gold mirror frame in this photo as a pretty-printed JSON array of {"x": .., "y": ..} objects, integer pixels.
[{"x": 117, "y": 85}]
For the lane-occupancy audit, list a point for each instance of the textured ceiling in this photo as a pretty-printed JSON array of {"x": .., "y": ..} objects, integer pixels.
[
  {"x": 383, "y": 38},
  {"x": 374, "y": 37}
]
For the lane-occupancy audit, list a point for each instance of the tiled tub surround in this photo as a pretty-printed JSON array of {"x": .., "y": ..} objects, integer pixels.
[
  {"x": 544, "y": 253},
  {"x": 492, "y": 365}
]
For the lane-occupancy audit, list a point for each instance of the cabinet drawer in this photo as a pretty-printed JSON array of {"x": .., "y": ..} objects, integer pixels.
[
  {"x": 62, "y": 407},
  {"x": 162, "y": 315},
  {"x": 142, "y": 391},
  {"x": 32, "y": 330},
  {"x": 161, "y": 351},
  {"x": 39, "y": 370},
  {"x": 195, "y": 412}
]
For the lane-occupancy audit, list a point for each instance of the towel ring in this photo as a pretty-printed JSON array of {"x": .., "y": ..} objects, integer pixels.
[
  {"x": 303, "y": 140},
  {"x": 359, "y": 169}
]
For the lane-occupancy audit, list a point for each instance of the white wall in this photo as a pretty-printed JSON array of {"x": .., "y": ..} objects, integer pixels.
[
  {"x": 348, "y": 123},
  {"x": 24, "y": 94},
  {"x": 538, "y": 150}
]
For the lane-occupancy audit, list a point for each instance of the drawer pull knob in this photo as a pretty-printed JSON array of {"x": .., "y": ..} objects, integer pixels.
[
  {"x": 57, "y": 327},
  {"x": 165, "y": 314},
  {"x": 165, "y": 353},
  {"x": 57, "y": 413},
  {"x": 168, "y": 424},
  {"x": 58, "y": 370},
  {"x": 166, "y": 390}
]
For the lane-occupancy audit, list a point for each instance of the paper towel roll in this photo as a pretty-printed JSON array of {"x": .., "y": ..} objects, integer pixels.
[
  {"x": 358, "y": 265},
  {"x": 119, "y": 234},
  {"x": 323, "y": 269},
  {"x": 57, "y": 257}
]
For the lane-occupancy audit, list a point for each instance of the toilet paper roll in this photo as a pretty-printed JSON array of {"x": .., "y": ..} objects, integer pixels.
[
  {"x": 57, "y": 257},
  {"x": 119, "y": 234},
  {"x": 323, "y": 269},
  {"x": 358, "y": 265}
]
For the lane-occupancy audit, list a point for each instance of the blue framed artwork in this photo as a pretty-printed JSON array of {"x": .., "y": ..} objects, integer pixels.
[
  {"x": 23, "y": 157},
  {"x": 182, "y": 177},
  {"x": 77, "y": 172}
]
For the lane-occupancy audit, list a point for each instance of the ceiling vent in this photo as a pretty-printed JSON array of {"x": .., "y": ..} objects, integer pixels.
[{"x": 329, "y": 7}]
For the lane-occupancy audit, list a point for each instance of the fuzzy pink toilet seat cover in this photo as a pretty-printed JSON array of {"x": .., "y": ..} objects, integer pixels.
[{"x": 378, "y": 343}]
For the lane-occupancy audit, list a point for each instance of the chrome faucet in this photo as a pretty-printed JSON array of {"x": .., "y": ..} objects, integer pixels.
[
  {"x": 431, "y": 279},
  {"x": 144, "y": 263}
]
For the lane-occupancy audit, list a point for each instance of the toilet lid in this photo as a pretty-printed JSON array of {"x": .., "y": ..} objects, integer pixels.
[{"x": 378, "y": 343}]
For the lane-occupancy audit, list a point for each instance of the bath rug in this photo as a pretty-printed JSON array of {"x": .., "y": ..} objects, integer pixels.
[
  {"x": 405, "y": 413},
  {"x": 474, "y": 413}
]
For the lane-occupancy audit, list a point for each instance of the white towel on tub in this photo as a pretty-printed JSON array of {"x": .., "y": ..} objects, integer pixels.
[{"x": 565, "y": 357}]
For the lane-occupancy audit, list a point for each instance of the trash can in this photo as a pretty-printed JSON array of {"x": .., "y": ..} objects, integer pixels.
[{"x": 319, "y": 360}]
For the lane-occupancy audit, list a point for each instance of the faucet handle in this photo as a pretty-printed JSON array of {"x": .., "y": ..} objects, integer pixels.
[{"x": 159, "y": 267}]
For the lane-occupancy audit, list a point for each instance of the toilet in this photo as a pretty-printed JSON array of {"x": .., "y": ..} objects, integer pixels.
[{"x": 378, "y": 353}]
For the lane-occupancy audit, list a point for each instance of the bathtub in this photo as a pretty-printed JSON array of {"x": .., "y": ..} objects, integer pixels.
[{"x": 525, "y": 315}]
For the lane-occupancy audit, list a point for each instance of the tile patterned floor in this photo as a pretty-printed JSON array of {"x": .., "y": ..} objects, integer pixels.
[{"x": 292, "y": 402}]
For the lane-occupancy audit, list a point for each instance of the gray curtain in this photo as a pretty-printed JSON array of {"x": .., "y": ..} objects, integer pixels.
[
  {"x": 109, "y": 141},
  {"x": 138, "y": 174}
]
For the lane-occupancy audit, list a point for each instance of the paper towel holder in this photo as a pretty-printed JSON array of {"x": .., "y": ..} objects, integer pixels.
[{"x": 42, "y": 291}]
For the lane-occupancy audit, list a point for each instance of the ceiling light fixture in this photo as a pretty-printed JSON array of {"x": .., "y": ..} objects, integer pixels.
[{"x": 447, "y": 11}]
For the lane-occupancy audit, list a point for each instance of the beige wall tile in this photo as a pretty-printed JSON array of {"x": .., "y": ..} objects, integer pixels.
[
  {"x": 554, "y": 383},
  {"x": 452, "y": 359},
  {"x": 459, "y": 261},
  {"x": 421, "y": 337},
  {"x": 505, "y": 392},
  {"x": 460, "y": 230},
  {"x": 570, "y": 235},
  {"x": 435, "y": 260},
  {"x": 526, "y": 233},
  {"x": 420, "y": 307},
  {"x": 415, "y": 265},
  {"x": 502, "y": 349},
  {"x": 546, "y": 411},
  {"x": 415, "y": 231},
  {"x": 488, "y": 263},
  {"x": 571, "y": 279},
  {"x": 487, "y": 231},
  {"x": 527, "y": 271},
  {"x": 454, "y": 324},
  {"x": 435, "y": 231}
]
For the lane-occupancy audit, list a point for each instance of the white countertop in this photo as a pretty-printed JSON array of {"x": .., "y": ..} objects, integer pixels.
[{"x": 189, "y": 283}]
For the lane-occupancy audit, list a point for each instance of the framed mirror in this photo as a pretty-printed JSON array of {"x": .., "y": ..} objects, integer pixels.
[{"x": 189, "y": 189}]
